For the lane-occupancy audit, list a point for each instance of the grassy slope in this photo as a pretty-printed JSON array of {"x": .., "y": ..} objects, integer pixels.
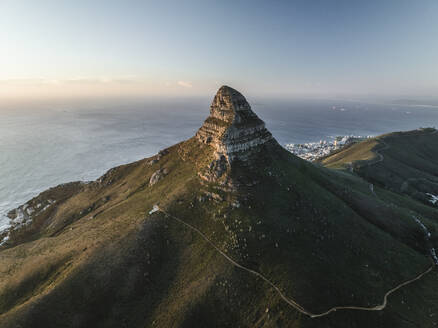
[
  {"x": 351, "y": 153},
  {"x": 100, "y": 260},
  {"x": 409, "y": 162}
]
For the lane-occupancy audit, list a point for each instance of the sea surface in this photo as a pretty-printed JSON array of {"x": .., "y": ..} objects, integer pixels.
[{"x": 47, "y": 145}]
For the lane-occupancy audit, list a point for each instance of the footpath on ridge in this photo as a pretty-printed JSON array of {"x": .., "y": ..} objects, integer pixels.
[{"x": 288, "y": 300}]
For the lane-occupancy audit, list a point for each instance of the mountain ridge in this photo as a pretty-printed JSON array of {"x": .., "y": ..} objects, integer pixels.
[{"x": 96, "y": 257}]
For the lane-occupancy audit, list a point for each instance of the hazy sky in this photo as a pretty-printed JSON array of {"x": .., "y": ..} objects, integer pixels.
[{"x": 92, "y": 47}]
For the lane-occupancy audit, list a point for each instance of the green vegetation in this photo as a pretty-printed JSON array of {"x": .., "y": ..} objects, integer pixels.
[
  {"x": 404, "y": 162},
  {"x": 361, "y": 151},
  {"x": 98, "y": 259}
]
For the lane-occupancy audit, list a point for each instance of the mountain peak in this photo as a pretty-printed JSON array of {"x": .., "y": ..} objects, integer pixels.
[
  {"x": 233, "y": 129},
  {"x": 227, "y": 102}
]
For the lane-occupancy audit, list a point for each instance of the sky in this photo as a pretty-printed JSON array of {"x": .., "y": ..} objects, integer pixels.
[{"x": 61, "y": 48}]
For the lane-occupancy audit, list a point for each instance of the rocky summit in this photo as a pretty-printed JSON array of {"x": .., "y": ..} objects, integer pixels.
[
  {"x": 233, "y": 129},
  {"x": 234, "y": 132}
]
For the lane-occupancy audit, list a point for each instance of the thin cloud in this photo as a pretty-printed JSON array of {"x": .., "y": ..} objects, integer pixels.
[
  {"x": 185, "y": 84},
  {"x": 24, "y": 81},
  {"x": 66, "y": 81}
]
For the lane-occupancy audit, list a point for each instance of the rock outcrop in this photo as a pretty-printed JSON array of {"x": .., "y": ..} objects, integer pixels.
[
  {"x": 157, "y": 176},
  {"x": 233, "y": 129}
]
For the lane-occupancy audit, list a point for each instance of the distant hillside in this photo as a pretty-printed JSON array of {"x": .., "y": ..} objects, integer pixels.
[
  {"x": 226, "y": 229},
  {"x": 404, "y": 162}
]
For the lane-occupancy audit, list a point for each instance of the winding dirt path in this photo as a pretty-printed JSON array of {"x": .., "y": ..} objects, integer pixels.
[
  {"x": 288, "y": 300},
  {"x": 380, "y": 157},
  {"x": 385, "y": 147}
]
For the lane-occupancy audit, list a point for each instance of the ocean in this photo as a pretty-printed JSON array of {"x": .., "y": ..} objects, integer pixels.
[{"x": 47, "y": 145}]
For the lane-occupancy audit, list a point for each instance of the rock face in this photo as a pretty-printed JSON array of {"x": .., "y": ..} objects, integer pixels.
[
  {"x": 157, "y": 176},
  {"x": 232, "y": 129}
]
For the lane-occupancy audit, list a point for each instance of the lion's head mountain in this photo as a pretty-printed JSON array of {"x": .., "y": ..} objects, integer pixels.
[{"x": 229, "y": 229}]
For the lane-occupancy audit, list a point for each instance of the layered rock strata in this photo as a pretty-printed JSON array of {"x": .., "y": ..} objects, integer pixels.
[
  {"x": 234, "y": 132},
  {"x": 233, "y": 129}
]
